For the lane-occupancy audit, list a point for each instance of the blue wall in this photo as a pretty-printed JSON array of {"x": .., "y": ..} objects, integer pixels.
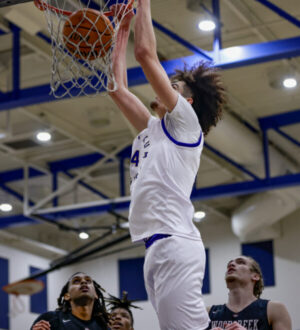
[
  {"x": 39, "y": 301},
  {"x": 263, "y": 253},
  {"x": 131, "y": 278},
  {"x": 4, "y": 307}
]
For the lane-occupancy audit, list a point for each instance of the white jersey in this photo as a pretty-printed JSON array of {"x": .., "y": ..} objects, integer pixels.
[{"x": 164, "y": 163}]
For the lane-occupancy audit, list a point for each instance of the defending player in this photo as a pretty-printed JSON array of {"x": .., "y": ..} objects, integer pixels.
[
  {"x": 164, "y": 163},
  {"x": 245, "y": 310},
  {"x": 120, "y": 312},
  {"x": 80, "y": 306}
]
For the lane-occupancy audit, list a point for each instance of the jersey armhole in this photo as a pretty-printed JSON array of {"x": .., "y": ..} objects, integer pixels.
[{"x": 178, "y": 143}]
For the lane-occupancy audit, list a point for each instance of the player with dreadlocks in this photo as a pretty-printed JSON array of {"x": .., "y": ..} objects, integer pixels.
[
  {"x": 80, "y": 306},
  {"x": 120, "y": 312}
]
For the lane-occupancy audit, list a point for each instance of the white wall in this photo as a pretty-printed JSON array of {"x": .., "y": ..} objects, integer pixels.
[{"x": 222, "y": 244}]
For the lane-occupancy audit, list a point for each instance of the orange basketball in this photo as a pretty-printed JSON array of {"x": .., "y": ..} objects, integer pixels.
[{"x": 87, "y": 34}]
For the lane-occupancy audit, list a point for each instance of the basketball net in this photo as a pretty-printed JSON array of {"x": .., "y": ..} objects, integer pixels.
[
  {"x": 23, "y": 287},
  {"x": 81, "y": 66},
  {"x": 17, "y": 306}
]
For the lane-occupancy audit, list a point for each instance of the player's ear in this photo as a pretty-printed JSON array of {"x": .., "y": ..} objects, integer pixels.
[
  {"x": 190, "y": 100},
  {"x": 255, "y": 277},
  {"x": 67, "y": 296}
]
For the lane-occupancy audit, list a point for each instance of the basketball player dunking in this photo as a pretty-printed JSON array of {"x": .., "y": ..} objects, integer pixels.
[{"x": 164, "y": 163}]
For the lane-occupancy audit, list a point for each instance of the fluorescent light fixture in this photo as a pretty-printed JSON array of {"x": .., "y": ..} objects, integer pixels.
[
  {"x": 233, "y": 52},
  {"x": 207, "y": 25},
  {"x": 2, "y": 134},
  {"x": 43, "y": 136},
  {"x": 289, "y": 82},
  {"x": 5, "y": 207},
  {"x": 198, "y": 216},
  {"x": 84, "y": 235}
]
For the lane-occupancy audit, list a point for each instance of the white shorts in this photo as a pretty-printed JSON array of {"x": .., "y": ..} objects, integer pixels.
[{"x": 174, "y": 270}]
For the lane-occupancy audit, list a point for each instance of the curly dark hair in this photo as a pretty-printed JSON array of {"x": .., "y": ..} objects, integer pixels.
[
  {"x": 99, "y": 313},
  {"x": 204, "y": 85},
  {"x": 124, "y": 303}
]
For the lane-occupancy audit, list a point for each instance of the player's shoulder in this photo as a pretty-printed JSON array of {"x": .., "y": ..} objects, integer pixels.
[
  {"x": 278, "y": 314},
  {"x": 48, "y": 316},
  {"x": 275, "y": 309},
  {"x": 275, "y": 306}
]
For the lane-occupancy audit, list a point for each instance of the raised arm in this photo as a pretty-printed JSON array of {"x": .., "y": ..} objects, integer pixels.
[
  {"x": 278, "y": 316},
  {"x": 146, "y": 55},
  {"x": 129, "y": 104}
]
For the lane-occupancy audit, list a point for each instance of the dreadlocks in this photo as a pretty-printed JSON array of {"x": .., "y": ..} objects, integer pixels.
[
  {"x": 204, "y": 85},
  {"x": 124, "y": 303},
  {"x": 99, "y": 312}
]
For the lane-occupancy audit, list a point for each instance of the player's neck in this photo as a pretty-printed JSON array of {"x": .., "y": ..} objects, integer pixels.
[
  {"x": 240, "y": 297},
  {"x": 83, "y": 312}
]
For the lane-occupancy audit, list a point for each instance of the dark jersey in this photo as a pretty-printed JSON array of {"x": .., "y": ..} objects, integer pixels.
[
  {"x": 253, "y": 317},
  {"x": 66, "y": 321}
]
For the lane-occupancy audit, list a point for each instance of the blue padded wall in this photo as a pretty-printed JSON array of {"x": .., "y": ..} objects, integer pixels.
[
  {"x": 262, "y": 252},
  {"x": 4, "y": 304},
  {"x": 39, "y": 301},
  {"x": 131, "y": 278}
]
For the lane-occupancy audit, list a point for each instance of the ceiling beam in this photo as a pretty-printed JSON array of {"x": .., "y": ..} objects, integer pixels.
[
  {"x": 282, "y": 13},
  {"x": 226, "y": 190},
  {"x": 279, "y": 120},
  {"x": 226, "y": 58}
]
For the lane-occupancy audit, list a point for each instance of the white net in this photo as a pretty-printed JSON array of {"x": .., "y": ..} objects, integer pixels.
[{"x": 83, "y": 34}]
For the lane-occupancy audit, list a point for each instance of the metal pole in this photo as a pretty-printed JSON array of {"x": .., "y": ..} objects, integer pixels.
[
  {"x": 78, "y": 258},
  {"x": 16, "y": 60},
  {"x": 70, "y": 184},
  {"x": 266, "y": 153},
  {"x": 217, "y": 44}
]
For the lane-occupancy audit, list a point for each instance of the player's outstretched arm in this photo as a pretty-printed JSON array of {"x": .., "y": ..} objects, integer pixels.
[
  {"x": 146, "y": 55},
  {"x": 129, "y": 104},
  {"x": 278, "y": 316}
]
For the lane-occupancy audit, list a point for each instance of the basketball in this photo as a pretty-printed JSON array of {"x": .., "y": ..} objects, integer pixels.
[{"x": 88, "y": 34}]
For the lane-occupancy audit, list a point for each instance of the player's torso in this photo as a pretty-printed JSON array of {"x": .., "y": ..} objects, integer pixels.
[
  {"x": 154, "y": 157},
  {"x": 70, "y": 322},
  {"x": 253, "y": 317},
  {"x": 162, "y": 177}
]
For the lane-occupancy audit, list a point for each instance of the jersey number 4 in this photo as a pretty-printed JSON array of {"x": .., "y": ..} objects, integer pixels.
[{"x": 135, "y": 158}]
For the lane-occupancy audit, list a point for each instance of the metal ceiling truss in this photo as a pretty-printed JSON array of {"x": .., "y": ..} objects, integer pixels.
[{"x": 248, "y": 55}]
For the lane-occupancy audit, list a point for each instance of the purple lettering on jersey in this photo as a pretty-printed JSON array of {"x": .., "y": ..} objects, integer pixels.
[{"x": 145, "y": 154}]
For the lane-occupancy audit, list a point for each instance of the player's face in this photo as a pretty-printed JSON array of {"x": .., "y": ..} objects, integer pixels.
[
  {"x": 81, "y": 289},
  {"x": 240, "y": 269},
  {"x": 120, "y": 320},
  {"x": 158, "y": 106}
]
